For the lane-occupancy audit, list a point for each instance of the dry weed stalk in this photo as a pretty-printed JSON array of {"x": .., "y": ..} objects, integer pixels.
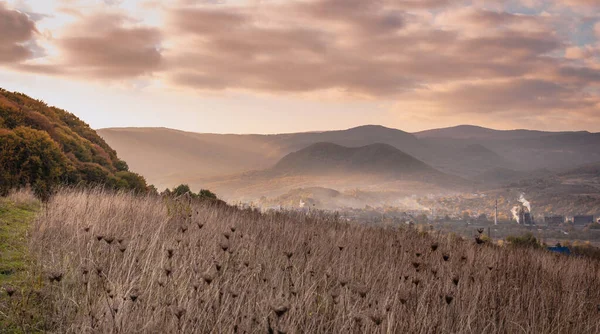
[{"x": 123, "y": 264}]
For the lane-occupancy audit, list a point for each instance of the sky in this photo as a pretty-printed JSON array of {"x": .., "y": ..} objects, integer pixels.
[{"x": 275, "y": 66}]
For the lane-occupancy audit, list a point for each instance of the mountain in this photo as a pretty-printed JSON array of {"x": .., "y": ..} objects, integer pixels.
[
  {"x": 44, "y": 146},
  {"x": 374, "y": 168},
  {"x": 168, "y": 157},
  {"x": 478, "y": 132},
  {"x": 524, "y": 149},
  {"x": 374, "y": 159}
]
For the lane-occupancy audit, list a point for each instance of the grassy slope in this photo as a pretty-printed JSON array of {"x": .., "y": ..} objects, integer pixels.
[
  {"x": 15, "y": 266},
  {"x": 14, "y": 224},
  {"x": 146, "y": 264}
]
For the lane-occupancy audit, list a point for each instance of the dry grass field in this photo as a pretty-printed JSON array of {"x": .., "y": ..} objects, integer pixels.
[{"x": 117, "y": 263}]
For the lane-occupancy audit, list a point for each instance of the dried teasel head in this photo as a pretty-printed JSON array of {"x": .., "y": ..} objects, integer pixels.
[
  {"x": 376, "y": 318},
  {"x": 208, "y": 278},
  {"x": 55, "y": 276},
  {"x": 448, "y": 299},
  {"x": 170, "y": 253},
  {"x": 280, "y": 308},
  {"x": 361, "y": 289},
  {"x": 179, "y": 313},
  {"x": 224, "y": 245},
  {"x": 10, "y": 291}
]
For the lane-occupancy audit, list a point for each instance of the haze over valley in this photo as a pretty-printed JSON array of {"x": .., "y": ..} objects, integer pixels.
[{"x": 371, "y": 158}]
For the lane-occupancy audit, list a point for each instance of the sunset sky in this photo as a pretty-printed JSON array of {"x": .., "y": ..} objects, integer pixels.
[{"x": 272, "y": 66}]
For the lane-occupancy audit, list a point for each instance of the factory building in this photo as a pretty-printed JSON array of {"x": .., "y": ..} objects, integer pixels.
[
  {"x": 554, "y": 220},
  {"x": 583, "y": 220}
]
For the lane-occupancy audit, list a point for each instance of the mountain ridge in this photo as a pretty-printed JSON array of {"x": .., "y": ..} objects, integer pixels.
[{"x": 198, "y": 155}]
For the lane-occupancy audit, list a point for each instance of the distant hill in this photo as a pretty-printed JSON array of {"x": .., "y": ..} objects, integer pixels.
[
  {"x": 374, "y": 159},
  {"x": 374, "y": 168},
  {"x": 524, "y": 149},
  {"x": 45, "y": 146},
  {"x": 502, "y": 176},
  {"x": 478, "y": 132},
  {"x": 588, "y": 169},
  {"x": 168, "y": 157}
]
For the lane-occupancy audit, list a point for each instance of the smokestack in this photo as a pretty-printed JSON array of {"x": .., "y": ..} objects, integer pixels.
[
  {"x": 525, "y": 202},
  {"x": 496, "y": 213}
]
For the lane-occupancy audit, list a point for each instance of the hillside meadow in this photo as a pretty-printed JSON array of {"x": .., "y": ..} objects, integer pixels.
[{"x": 108, "y": 262}]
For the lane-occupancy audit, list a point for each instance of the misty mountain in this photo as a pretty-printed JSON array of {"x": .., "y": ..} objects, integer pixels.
[
  {"x": 478, "y": 132},
  {"x": 375, "y": 168},
  {"x": 168, "y": 157},
  {"x": 526, "y": 150},
  {"x": 374, "y": 159}
]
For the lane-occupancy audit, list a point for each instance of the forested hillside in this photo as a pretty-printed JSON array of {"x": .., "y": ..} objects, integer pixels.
[{"x": 44, "y": 146}]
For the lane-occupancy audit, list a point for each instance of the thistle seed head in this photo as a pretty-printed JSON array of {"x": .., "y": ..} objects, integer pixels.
[{"x": 280, "y": 308}]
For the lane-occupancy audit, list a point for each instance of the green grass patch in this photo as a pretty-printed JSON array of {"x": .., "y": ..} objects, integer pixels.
[
  {"x": 17, "y": 281},
  {"x": 14, "y": 226}
]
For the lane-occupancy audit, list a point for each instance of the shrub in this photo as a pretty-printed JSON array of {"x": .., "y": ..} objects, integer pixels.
[
  {"x": 205, "y": 193},
  {"x": 527, "y": 240},
  {"x": 182, "y": 189}
]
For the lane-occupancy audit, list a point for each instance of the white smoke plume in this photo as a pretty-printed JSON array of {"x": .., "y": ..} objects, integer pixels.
[
  {"x": 515, "y": 212},
  {"x": 525, "y": 202}
]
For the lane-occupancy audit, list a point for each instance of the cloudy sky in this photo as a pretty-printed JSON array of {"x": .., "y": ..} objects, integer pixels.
[{"x": 269, "y": 66}]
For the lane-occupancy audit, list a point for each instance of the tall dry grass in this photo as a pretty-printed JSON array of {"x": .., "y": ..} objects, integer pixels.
[
  {"x": 117, "y": 263},
  {"x": 23, "y": 197}
]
